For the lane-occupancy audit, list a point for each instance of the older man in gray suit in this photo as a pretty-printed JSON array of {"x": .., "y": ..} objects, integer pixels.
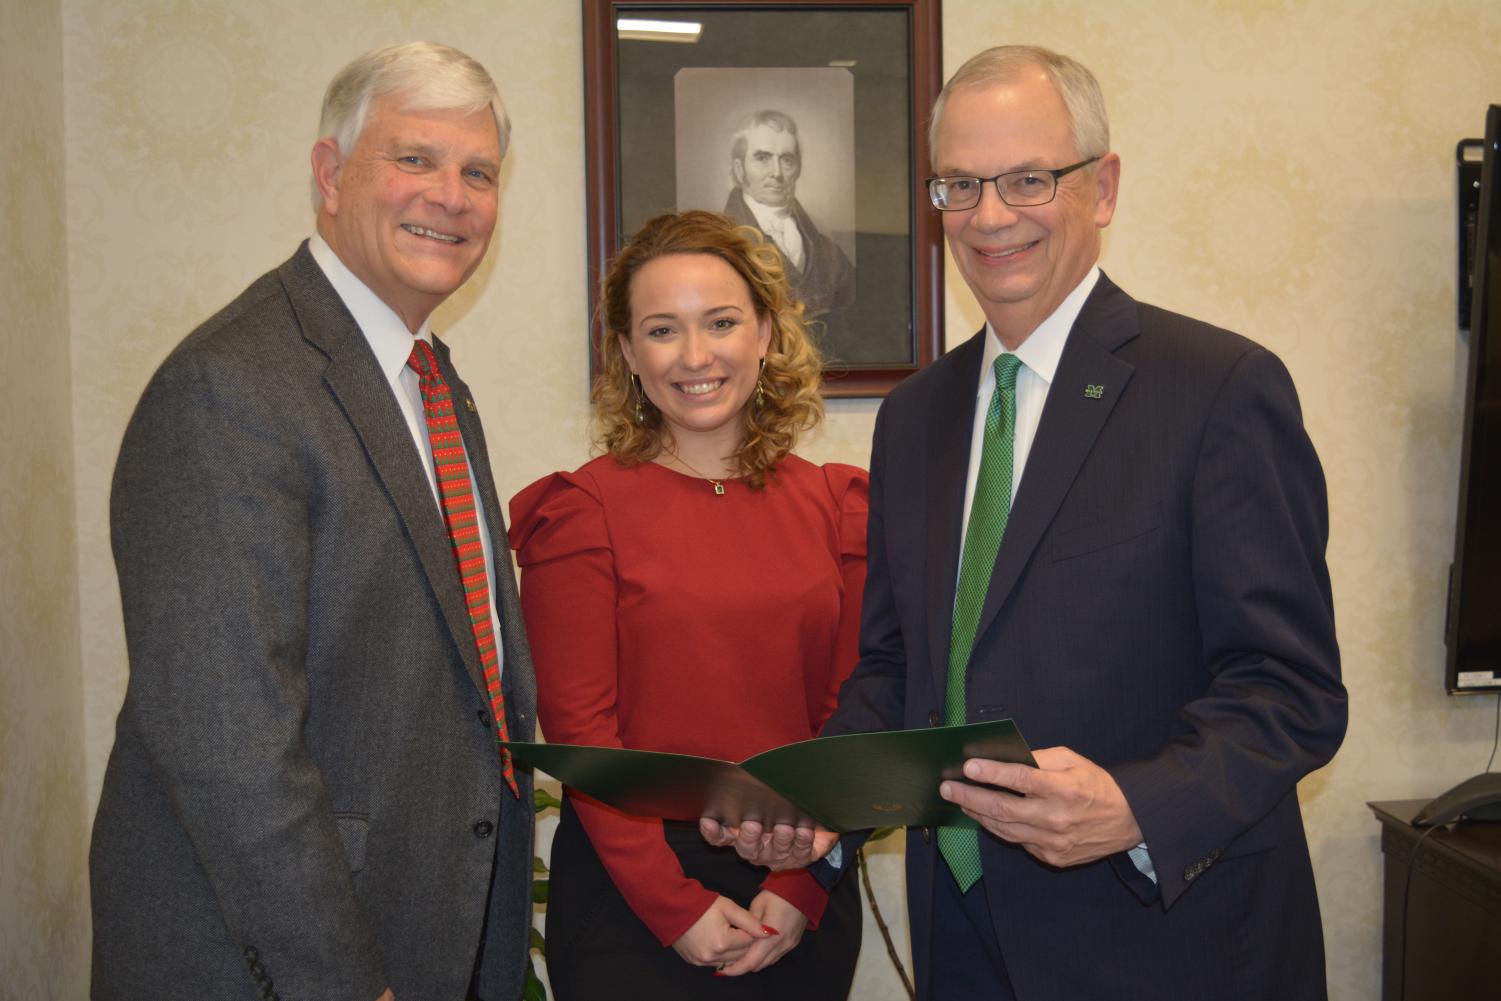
[{"x": 306, "y": 799}]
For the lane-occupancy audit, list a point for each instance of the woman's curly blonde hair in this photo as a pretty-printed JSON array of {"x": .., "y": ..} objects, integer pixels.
[{"x": 789, "y": 402}]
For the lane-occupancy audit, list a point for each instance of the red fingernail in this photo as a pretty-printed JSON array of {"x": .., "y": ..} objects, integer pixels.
[
  {"x": 719, "y": 973},
  {"x": 768, "y": 929}
]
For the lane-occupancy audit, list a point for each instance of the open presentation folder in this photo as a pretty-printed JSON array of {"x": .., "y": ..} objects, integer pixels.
[{"x": 845, "y": 783}]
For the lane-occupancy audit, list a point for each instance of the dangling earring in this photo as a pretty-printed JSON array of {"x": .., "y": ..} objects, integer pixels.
[
  {"x": 636, "y": 385},
  {"x": 760, "y": 385}
]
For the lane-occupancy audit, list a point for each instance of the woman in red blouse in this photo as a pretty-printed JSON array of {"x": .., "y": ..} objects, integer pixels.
[{"x": 695, "y": 589}]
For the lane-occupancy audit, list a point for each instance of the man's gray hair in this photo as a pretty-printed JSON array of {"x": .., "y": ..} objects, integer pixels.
[
  {"x": 778, "y": 120},
  {"x": 1073, "y": 81},
  {"x": 428, "y": 76}
]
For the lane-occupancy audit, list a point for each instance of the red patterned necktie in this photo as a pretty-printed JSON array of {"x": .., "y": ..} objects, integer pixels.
[{"x": 456, "y": 493}]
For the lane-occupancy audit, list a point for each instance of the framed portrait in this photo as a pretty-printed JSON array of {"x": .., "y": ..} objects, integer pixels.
[{"x": 806, "y": 121}]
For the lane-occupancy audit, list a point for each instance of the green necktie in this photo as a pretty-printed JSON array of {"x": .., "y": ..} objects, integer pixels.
[{"x": 982, "y": 540}]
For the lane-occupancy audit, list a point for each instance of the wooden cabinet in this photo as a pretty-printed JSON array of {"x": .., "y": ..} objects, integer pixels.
[{"x": 1453, "y": 908}]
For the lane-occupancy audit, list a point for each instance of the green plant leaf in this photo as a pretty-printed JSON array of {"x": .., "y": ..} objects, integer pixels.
[
  {"x": 539, "y": 866},
  {"x": 539, "y": 891},
  {"x": 538, "y": 942},
  {"x": 533, "y": 989},
  {"x": 882, "y": 832},
  {"x": 544, "y": 800}
]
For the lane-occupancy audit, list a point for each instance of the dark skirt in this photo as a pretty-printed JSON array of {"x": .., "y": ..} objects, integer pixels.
[{"x": 598, "y": 949}]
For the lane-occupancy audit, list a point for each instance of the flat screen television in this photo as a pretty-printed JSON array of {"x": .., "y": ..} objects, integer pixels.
[{"x": 1472, "y": 631}]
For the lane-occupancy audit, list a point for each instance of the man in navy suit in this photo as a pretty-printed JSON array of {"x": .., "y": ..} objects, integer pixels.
[{"x": 1156, "y": 616}]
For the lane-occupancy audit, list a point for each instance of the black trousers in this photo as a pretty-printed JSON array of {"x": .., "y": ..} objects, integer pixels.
[{"x": 597, "y": 948}]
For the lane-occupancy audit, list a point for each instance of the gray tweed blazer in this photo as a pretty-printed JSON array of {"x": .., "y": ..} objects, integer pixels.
[{"x": 304, "y": 799}]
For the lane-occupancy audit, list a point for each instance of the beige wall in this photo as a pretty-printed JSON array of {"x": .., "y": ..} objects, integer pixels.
[
  {"x": 1287, "y": 173},
  {"x": 43, "y": 819}
]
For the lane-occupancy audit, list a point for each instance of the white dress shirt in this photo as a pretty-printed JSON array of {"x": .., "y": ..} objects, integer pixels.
[
  {"x": 392, "y": 343},
  {"x": 781, "y": 226}
]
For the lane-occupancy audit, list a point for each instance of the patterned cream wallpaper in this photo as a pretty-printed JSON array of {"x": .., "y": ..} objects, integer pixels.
[
  {"x": 43, "y": 890},
  {"x": 1287, "y": 173}
]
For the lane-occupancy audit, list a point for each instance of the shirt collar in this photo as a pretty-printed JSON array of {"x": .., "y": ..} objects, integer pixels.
[
  {"x": 1041, "y": 351},
  {"x": 765, "y": 214},
  {"x": 383, "y": 329}
]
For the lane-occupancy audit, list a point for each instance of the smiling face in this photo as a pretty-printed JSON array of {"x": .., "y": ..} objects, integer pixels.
[
  {"x": 411, "y": 209},
  {"x": 696, "y": 343},
  {"x": 1021, "y": 263},
  {"x": 769, "y": 170}
]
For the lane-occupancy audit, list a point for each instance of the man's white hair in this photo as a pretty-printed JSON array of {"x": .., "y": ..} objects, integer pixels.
[{"x": 1073, "y": 81}]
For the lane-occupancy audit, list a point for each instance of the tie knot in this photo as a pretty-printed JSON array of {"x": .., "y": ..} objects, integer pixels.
[
  {"x": 422, "y": 359},
  {"x": 1006, "y": 366}
]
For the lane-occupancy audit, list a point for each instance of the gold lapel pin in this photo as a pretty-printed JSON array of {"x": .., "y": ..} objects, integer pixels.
[{"x": 470, "y": 404}]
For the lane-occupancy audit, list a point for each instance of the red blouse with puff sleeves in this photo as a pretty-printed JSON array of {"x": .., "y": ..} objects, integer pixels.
[{"x": 666, "y": 618}]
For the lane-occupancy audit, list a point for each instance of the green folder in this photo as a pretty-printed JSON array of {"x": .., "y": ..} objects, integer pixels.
[{"x": 846, "y": 783}]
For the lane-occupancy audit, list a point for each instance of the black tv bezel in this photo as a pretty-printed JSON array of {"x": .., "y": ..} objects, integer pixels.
[{"x": 1484, "y": 316}]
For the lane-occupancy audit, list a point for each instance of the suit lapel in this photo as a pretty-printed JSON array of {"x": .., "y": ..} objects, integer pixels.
[
  {"x": 356, "y": 381},
  {"x": 1071, "y": 421},
  {"x": 949, "y": 422}
]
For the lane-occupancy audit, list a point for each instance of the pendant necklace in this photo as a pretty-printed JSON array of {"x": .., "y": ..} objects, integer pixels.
[{"x": 717, "y": 484}]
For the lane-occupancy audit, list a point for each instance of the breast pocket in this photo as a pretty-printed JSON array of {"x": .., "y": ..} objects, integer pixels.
[
  {"x": 1106, "y": 533},
  {"x": 1104, "y": 580}
]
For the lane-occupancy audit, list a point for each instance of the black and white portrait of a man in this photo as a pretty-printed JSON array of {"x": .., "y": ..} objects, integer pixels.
[{"x": 774, "y": 149}]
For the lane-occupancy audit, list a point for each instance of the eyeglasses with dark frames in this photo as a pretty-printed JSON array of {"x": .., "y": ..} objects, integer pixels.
[{"x": 1017, "y": 188}]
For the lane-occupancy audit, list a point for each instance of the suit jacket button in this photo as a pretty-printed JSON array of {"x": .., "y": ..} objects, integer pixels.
[
  {"x": 484, "y": 717},
  {"x": 483, "y": 829},
  {"x": 934, "y": 719},
  {"x": 927, "y": 835}
]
